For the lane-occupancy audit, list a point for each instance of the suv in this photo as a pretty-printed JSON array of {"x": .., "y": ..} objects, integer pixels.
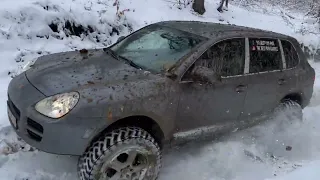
[{"x": 117, "y": 107}]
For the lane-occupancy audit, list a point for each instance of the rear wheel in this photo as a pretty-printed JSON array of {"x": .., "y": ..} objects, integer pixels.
[
  {"x": 124, "y": 153},
  {"x": 288, "y": 113},
  {"x": 289, "y": 109}
]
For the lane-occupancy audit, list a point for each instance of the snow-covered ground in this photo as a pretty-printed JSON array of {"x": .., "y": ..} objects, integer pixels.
[{"x": 259, "y": 153}]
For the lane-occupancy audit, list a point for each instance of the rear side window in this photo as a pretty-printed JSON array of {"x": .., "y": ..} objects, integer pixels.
[
  {"x": 290, "y": 54},
  {"x": 265, "y": 55}
]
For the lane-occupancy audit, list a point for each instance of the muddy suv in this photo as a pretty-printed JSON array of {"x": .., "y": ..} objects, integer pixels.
[{"x": 117, "y": 107}]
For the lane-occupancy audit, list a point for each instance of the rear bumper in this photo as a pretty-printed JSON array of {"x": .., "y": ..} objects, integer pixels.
[{"x": 65, "y": 136}]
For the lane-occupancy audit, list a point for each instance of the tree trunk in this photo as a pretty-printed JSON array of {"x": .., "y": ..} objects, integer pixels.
[{"x": 198, "y": 6}]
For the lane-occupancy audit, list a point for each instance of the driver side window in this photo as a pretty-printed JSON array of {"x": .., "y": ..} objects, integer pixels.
[{"x": 225, "y": 58}]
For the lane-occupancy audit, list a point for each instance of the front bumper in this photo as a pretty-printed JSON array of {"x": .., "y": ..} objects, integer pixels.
[{"x": 66, "y": 136}]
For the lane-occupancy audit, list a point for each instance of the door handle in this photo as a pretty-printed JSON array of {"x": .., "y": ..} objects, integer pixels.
[
  {"x": 281, "y": 81},
  {"x": 241, "y": 88}
]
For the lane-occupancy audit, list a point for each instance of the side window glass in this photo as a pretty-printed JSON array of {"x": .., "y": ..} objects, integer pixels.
[
  {"x": 229, "y": 57},
  {"x": 225, "y": 58},
  {"x": 290, "y": 54},
  {"x": 205, "y": 61},
  {"x": 265, "y": 55}
]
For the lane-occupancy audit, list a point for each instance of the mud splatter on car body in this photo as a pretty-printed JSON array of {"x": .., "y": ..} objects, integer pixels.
[{"x": 115, "y": 91}]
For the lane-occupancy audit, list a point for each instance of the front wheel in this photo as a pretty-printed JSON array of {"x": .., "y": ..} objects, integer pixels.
[{"x": 124, "y": 153}]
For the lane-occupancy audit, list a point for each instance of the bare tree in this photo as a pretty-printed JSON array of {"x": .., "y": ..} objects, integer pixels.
[
  {"x": 198, "y": 6},
  {"x": 318, "y": 14}
]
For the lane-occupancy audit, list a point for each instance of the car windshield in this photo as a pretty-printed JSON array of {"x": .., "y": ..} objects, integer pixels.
[{"x": 156, "y": 48}]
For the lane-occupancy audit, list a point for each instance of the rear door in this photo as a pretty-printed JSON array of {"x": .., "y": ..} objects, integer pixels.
[{"x": 264, "y": 76}]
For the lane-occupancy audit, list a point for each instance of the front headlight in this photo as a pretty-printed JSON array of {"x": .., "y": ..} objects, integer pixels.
[{"x": 58, "y": 105}]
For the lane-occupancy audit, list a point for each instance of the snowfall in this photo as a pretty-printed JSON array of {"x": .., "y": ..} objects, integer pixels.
[{"x": 31, "y": 28}]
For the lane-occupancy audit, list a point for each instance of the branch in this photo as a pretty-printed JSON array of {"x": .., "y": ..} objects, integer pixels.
[
  {"x": 290, "y": 16},
  {"x": 286, "y": 18}
]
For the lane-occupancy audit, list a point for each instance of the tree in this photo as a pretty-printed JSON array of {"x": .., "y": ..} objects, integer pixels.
[
  {"x": 198, "y": 6},
  {"x": 318, "y": 16}
]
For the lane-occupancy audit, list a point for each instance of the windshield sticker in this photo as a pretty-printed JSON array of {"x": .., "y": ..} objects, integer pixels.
[{"x": 264, "y": 46}]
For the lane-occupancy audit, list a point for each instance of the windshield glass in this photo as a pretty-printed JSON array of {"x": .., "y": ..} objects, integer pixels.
[{"x": 156, "y": 48}]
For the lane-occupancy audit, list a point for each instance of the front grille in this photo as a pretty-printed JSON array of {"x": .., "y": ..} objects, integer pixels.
[
  {"x": 34, "y": 130},
  {"x": 15, "y": 111},
  {"x": 34, "y": 136}
]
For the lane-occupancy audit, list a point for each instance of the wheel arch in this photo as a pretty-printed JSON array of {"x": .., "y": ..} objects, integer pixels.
[
  {"x": 144, "y": 122},
  {"x": 297, "y": 97}
]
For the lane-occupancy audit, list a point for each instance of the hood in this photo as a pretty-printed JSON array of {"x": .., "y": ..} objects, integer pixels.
[{"x": 67, "y": 71}]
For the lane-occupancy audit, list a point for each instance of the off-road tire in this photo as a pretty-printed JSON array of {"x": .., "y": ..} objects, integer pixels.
[
  {"x": 291, "y": 108},
  {"x": 287, "y": 114},
  {"x": 92, "y": 159}
]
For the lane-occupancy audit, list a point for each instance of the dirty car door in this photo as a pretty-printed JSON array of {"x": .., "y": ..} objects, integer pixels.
[
  {"x": 205, "y": 105},
  {"x": 265, "y": 72}
]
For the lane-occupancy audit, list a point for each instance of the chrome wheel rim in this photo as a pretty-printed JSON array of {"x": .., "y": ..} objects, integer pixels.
[{"x": 130, "y": 163}]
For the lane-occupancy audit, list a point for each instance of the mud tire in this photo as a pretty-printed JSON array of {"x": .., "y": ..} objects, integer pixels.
[
  {"x": 90, "y": 162},
  {"x": 287, "y": 114},
  {"x": 291, "y": 109}
]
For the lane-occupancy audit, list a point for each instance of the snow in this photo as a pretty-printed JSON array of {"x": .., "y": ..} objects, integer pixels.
[
  {"x": 258, "y": 153},
  {"x": 310, "y": 172}
]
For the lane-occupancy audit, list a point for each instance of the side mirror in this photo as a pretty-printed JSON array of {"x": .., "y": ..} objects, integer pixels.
[
  {"x": 204, "y": 74},
  {"x": 120, "y": 38}
]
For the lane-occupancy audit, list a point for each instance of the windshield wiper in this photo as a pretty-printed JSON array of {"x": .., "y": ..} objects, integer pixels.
[
  {"x": 116, "y": 56},
  {"x": 111, "y": 52},
  {"x": 131, "y": 62}
]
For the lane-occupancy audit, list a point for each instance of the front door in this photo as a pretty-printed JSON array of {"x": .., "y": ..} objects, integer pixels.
[{"x": 204, "y": 105}]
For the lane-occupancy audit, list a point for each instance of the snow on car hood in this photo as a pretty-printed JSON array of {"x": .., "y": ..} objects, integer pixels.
[{"x": 67, "y": 71}]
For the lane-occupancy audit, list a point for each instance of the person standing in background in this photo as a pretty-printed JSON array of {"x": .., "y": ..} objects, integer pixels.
[{"x": 221, "y": 8}]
